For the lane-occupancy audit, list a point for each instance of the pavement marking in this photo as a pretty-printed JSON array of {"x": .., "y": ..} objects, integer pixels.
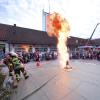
[{"x": 90, "y": 63}]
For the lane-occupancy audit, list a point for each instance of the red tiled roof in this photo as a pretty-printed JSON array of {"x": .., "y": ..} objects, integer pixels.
[{"x": 14, "y": 34}]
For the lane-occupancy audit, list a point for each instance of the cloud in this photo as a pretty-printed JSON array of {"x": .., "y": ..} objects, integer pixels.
[
  {"x": 24, "y": 13},
  {"x": 82, "y": 15}
]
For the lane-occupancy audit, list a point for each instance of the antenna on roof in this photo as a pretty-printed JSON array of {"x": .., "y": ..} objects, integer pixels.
[
  {"x": 14, "y": 25},
  {"x": 14, "y": 29}
]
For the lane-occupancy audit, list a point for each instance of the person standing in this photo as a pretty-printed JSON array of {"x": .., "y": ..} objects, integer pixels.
[{"x": 67, "y": 62}]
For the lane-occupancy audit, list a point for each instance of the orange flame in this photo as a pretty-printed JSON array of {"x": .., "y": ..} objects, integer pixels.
[
  {"x": 55, "y": 24},
  {"x": 59, "y": 27},
  {"x": 25, "y": 47}
]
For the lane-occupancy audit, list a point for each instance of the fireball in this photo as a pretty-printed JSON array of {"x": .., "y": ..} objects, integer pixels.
[{"x": 59, "y": 27}]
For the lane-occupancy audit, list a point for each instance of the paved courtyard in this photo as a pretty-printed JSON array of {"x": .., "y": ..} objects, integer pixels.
[{"x": 49, "y": 82}]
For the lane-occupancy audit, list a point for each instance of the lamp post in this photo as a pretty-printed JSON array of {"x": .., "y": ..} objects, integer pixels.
[
  {"x": 45, "y": 13},
  {"x": 49, "y": 6}
]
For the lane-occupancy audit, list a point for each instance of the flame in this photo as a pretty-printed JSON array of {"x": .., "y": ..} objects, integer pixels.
[
  {"x": 25, "y": 47},
  {"x": 56, "y": 24},
  {"x": 59, "y": 27}
]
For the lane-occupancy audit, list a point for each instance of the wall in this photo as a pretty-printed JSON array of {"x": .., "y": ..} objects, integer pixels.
[{"x": 6, "y": 46}]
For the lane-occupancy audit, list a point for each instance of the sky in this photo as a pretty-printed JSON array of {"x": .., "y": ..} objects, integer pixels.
[{"x": 82, "y": 15}]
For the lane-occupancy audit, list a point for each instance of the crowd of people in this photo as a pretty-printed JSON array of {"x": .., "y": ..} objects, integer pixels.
[
  {"x": 41, "y": 55},
  {"x": 15, "y": 63},
  {"x": 86, "y": 54}
]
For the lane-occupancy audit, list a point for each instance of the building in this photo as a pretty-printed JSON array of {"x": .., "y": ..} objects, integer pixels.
[
  {"x": 96, "y": 42},
  {"x": 18, "y": 39}
]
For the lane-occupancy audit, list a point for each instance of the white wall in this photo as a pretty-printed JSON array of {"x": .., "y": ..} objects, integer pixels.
[
  {"x": 12, "y": 48},
  {"x": 6, "y": 46},
  {"x": 33, "y": 49}
]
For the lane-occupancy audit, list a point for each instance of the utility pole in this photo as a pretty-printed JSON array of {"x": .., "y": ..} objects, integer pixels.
[
  {"x": 45, "y": 14},
  {"x": 49, "y": 6}
]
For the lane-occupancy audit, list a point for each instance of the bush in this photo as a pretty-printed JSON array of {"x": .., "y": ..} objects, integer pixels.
[
  {"x": 4, "y": 93},
  {"x": 2, "y": 77}
]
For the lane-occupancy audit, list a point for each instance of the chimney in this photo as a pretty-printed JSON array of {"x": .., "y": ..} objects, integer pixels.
[
  {"x": 14, "y": 29},
  {"x": 14, "y": 25}
]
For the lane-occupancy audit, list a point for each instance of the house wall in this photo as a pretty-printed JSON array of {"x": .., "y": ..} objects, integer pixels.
[
  {"x": 11, "y": 47},
  {"x": 26, "y": 47},
  {"x": 6, "y": 46}
]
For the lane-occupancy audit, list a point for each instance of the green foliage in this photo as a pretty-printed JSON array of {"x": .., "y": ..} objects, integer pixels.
[{"x": 4, "y": 93}]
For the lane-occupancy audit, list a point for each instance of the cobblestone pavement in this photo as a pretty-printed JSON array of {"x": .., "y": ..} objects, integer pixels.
[{"x": 50, "y": 82}]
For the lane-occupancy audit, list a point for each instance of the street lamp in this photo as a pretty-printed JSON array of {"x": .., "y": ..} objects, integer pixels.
[
  {"x": 49, "y": 6},
  {"x": 45, "y": 14}
]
